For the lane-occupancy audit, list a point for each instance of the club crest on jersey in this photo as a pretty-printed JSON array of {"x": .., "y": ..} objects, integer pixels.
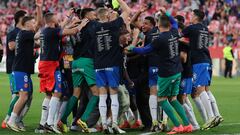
[
  {"x": 59, "y": 86},
  {"x": 25, "y": 85},
  {"x": 25, "y": 78}
]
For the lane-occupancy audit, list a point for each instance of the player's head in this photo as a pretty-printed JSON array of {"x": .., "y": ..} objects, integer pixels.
[
  {"x": 50, "y": 18},
  {"x": 180, "y": 19},
  {"x": 197, "y": 16},
  {"x": 180, "y": 26},
  {"x": 28, "y": 22},
  {"x": 88, "y": 13},
  {"x": 18, "y": 16},
  {"x": 148, "y": 23},
  {"x": 125, "y": 37},
  {"x": 103, "y": 14},
  {"x": 112, "y": 15},
  {"x": 164, "y": 23}
]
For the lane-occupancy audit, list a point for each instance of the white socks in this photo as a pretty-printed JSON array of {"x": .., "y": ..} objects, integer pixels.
[
  {"x": 153, "y": 107},
  {"x": 12, "y": 119},
  {"x": 7, "y": 117},
  {"x": 189, "y": 103},
  {"x": 54, "y": 103},
  {"x": 190, "y": 114},
  {"x": 45, "y": 108},
  {"x": 103, "y": 108},
  {"x": 201, "y": 108},
  {"x": 207, "y": 104},
  {"x": 213, "y": 103},
  {"x": 57, "y": 116},
  {"x": 164, "y": 117},
  {"x": 60, "y": 110},
  {"x": 114, "y": 108}
]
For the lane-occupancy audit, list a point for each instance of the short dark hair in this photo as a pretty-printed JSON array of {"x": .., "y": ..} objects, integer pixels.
[
  {"x": 48, "y": 17},
  {"x": 164, "y": 21},
  {"x": 151, "y": 19},
  {"x": 200, "y": 14},
  {"x": 181, "y": 25},
  {"x": 26, "y": 19},
  {"x": 19, "y": 14},
  {"x": 85, "y": 11},
  {"x": 180, "y": 18}
]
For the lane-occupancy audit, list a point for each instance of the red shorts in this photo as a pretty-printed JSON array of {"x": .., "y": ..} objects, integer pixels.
[{"x": 47, "y": 75}]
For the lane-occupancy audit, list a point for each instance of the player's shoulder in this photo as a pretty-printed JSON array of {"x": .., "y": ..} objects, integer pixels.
[{"x": 14, "y": 31}]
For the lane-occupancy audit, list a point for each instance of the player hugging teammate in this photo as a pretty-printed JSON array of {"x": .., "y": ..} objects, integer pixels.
[{"x": 109, "y": 55}]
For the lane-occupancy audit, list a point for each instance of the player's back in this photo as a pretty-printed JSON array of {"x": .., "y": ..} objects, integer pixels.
[
  {"x": 198, "y": 35},
  {"x": 50, "y": 44},
  {"x": 24, "y": 59},
  {"x": 167, "y": 48}
]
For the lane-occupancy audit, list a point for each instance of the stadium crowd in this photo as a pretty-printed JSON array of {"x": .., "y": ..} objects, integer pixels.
[
  {"x": 223, "y": 15},
  {"x": 131, "y": 60}
]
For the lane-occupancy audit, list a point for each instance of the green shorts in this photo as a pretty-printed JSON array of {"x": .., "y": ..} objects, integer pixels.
[
  {"x": 83, "y": 68},
  {"x": 12, "y": 84},
  {"x": 169, "y": 86}
]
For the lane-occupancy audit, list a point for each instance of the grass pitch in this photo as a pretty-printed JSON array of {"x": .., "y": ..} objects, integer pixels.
[{"x": 226, "y": 91}]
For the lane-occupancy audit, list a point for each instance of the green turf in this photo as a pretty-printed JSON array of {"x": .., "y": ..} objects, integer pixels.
[{"x": 226, "y": 91}]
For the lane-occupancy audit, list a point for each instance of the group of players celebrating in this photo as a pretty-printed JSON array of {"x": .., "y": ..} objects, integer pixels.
[{"x": 107, "y": 47}]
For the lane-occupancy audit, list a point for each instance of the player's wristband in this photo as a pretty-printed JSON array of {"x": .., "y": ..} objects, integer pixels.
[
  {"x": 168, "y": 13},
  {"x": 130, "y": 47}
]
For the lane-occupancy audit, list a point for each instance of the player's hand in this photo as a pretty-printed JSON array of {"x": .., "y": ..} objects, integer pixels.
[
  {"x": 162, "y": 10},
  {"x": 70, "y": 12},
  {"x": 84, "y": 22},
  {"x": 144, "y": 8},
  {"x": 131, "y": 84},
  {"x": 130, "y": 48},
  {"x": 39, "y": 3}
]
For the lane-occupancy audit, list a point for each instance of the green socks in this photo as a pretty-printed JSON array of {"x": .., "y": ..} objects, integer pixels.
[
  {"x": 90, "y": 107},
  {"x": 170, "y": 112},
  {"x": 71, "y": 103},
  {"x": 178, "y": 107},
  {"x": 10, "y": 109}
]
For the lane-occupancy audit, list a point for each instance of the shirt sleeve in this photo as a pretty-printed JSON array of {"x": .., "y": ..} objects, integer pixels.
[
  {"x": 173, "y": 22},
  {"x": 144, "y": 50}
]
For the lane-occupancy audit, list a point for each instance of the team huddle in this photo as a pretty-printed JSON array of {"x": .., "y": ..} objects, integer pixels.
[{"x": 116, "y": 66}]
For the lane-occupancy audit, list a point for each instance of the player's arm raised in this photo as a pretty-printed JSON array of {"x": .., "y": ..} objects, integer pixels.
[
  {"x": 125, "y": 10},
  {"x": 134, "y": 20},
  {"x": 39, "y": 23},
  {"x": 68, "y": 18},
  {"x": 75, "y": 30}
]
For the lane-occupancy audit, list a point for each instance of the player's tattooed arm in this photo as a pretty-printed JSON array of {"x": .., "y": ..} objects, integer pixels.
[
  {"x": 135, "y": 21},
  {"x": 37, "y": 39},
  {"x": 75, "y": 30},
  {"x": 68, "y": 19},
  {"x": 136, "y": 33},
  {"x": 125, "y": 10}
]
